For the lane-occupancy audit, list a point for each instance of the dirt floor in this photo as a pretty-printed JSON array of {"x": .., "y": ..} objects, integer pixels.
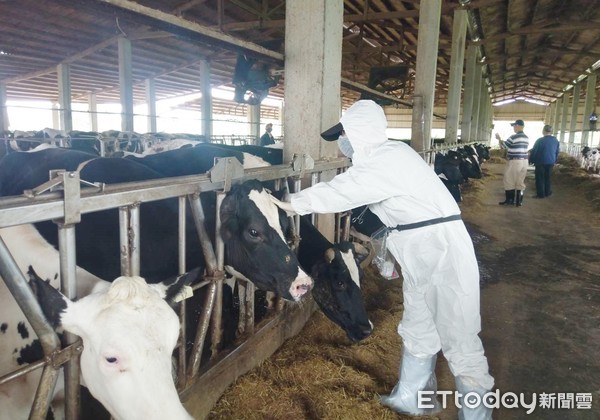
[{"x": 540, "y": 307}]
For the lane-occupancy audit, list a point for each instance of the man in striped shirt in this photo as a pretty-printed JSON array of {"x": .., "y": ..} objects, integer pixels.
[{"x": 516, "y": 169}]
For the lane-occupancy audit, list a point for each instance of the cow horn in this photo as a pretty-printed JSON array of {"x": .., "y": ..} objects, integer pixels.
[{"x": 330, "y": 255}]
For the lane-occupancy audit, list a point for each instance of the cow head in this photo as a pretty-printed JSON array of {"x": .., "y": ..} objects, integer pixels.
[
  {"x": 252, "y": 228},
  {"x": 337, "y": 289},
  {"x": 449, "y": 167},
  {"x": 129, "y": 333}
]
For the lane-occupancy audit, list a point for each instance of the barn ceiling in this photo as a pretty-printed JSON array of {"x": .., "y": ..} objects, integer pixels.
[{"x": 529, "y": 48}]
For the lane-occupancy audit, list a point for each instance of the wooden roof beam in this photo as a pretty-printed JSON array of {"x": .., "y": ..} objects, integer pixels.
[
  {"x": 191, "y": 30},
  {"x": 536, "y": 29},
  {"x": 447, "y": 8}
]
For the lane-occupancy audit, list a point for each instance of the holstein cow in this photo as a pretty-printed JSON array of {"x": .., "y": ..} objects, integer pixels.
[
  {"x": 194, "y": 160},
  {"x": 364, "y": 223},
  {"x": 166, "y": 145},
  {"x": 590, "y": 159},
  {"x": 336, "y": 271},
  {"x": 483, "y": 152},
  {"x": 271, "y": 155},
  {"x": 447, "y": 167},
  {"x": 251, "y": 226},
  {"x": 137, "y": 318},
  {"x": 129, "y": 333},
  {"x": 469, "y": 164}
]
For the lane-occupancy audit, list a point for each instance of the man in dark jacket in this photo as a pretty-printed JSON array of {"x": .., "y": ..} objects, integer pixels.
[
  {"x": 543, "y": 156},
  {"x": 267, "y": 138}
]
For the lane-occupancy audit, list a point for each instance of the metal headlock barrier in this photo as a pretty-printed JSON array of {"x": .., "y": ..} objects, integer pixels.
[
  {"x": 429, "y": 154},
  {"x": 109, "y": 145},
  {"x": 572, "y": 149},
  {"x": 65, "y": 208}
]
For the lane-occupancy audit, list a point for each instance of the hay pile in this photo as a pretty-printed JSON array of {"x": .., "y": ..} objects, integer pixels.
[
  {"x": 569, "y": 172},
  {"x": 320, "y": 374}
]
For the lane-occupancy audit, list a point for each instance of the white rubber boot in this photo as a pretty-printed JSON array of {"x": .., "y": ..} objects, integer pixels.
[
  {"x": 465, "y": 385},
  {"x": 416, "y": 374}
]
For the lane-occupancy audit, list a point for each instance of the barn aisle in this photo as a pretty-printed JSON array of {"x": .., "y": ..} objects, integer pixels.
[
  {"x": 540, "y": 269},
  {"x": 541, "y": 297}
]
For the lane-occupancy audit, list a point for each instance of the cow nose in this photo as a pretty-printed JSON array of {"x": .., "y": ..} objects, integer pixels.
[{"x": 300, "y": 287}]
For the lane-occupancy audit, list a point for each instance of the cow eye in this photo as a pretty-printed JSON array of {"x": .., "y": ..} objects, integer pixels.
[
  {"x": 111, "y": 359},
  {"x": 253, "y": 233},
  {"x": 340, "y": 285}
]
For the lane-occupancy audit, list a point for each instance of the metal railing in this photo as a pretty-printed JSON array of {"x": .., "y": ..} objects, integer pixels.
[{"x": 67, "y": 206}]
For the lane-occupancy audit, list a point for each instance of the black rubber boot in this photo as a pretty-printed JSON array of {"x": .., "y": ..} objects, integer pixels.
[
  {"x": 520, "y": 195},
  {"x": 510, "y": 198}
]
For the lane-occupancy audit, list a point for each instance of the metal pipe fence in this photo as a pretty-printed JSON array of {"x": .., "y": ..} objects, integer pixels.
[{"x": 72, "y": 201}]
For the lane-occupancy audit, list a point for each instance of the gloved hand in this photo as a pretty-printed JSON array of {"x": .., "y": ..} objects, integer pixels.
[{"x": 284, "y": 205}]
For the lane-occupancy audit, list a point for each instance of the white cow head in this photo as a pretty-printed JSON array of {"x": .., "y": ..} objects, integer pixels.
[{"x": 129, "y": 332}]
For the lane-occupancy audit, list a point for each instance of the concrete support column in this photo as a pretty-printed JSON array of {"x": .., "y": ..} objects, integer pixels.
[
  {"x": 55, "y": 116},
  {"x": 254, "y": 121},
  {"x": 574, "y": 112},
  {"x": 93, "y": 111},
  {"x": 126, "y": 84},
  {"x": 467, "y": 114},
  {"x": 151, "y": 105},
  {"x": 427, "y": 53},
  {"x": 459, "y": 33},
  {"x": 485, "y": 120},
  {"x": 280, "y": 119},
  {"x": 590, "y": 93},
  {"x": 205, "y": 87},
  {"x": 490, "y": 119},
  {"x": 4, "y": 123},
  {"x": 313, "y": 62},
  {"x": 556, "y": 119},
  {"x": 63, "y": 72},
  {"x": 563, "y": 121},
  {"x": 474, "y": 132},
  {"x": 481, "y": 123}
]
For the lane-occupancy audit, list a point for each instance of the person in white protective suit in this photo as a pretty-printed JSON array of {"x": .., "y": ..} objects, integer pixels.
[{"x": 432, "y": 246}]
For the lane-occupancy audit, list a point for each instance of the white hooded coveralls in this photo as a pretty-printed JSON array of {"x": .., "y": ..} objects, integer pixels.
[{"x": 441, "y": 276}]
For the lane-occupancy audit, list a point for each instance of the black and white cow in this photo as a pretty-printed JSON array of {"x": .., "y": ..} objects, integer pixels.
[
  {"x": 364, "y": 223},
  {"x": 85, "y": 141},
  {"x": 252, "y": 228},
  {"x": 469, "y": 164},
  {"x": 447, "y": 167},
  {"x": 194, "y": 160},
  {"x": 337, "y": 275},
  {"x": 590, "y": 159},
  {"x": 483, "y": 152},
  {"x": 250, "y": 224},
  {"x": 271, "y": 155}
]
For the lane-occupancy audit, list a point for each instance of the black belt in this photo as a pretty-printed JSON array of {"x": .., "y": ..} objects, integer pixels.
[
  {"x": 426, "y": 223},
  {"x": 516, "y": 158}
]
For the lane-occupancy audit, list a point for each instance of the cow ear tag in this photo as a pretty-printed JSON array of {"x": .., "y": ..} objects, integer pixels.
[{"x": 186, "y": 292}]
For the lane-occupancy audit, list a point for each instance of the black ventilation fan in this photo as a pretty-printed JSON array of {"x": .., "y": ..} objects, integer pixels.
[
  {"x": 252, "y": 80},
  {"x": 386, "y": 80}
]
